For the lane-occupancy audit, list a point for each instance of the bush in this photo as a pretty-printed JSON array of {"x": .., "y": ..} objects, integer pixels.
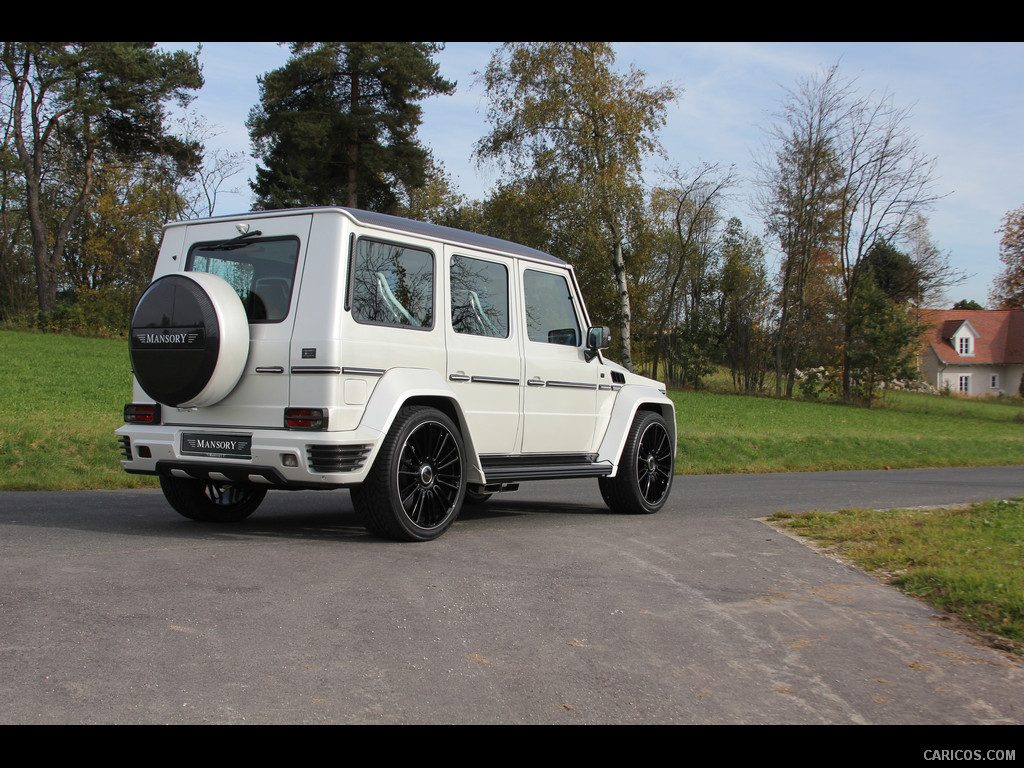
[{"x": 104, "y": 312}]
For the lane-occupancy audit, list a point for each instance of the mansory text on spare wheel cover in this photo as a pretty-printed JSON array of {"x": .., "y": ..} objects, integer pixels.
[{"x": 189, "y": 339}]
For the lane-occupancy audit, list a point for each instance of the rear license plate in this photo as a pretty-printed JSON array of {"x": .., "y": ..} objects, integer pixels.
[{"x": 205, "y": 444}]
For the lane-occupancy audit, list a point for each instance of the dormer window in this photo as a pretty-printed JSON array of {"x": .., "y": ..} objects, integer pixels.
[{"x": 964, "y": 345}]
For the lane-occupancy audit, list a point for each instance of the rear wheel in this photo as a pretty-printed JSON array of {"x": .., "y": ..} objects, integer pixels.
[
  {"x": 644, "y": 478},
  {"x": 210, "y": 502},
  {"x": 416, "y": 487}
]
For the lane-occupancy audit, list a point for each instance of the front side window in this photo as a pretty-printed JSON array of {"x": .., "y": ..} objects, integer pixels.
[
  {"x": 550, "y": 317},
  {"x": 479, "y": 297},
  {"x": 392, "y": 285},
  {"x": 262, "y": 272}
]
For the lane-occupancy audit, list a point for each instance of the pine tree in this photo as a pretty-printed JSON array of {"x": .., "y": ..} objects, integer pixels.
[{"x": 336, "y": 125}]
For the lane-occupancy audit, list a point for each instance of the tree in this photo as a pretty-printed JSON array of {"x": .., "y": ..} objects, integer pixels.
[
  {"x": 746, "y": 300},
  {"x": 1008, "y": 290},
  {"x": 883, "y": 333},
  {"x": 967, "y": 304},
  {"x": 337, "y": 124},
  {"x": 561, "y": 115},
  {"x": 684, "y": 317},
  {"x": 894, "y": 273},
  {"x": 112, "y": 249},
  {"x": 933, "y": 265},
  {"x": 801, "y": 194},
  {"x": 17, "y": 293},
  {"x": 851, "y": 175},
  {"x": 437, "y": 201},
  {"x": 199, "y": 191},
  {"x": 73, "y": 106},
  {"x": 887, "y": 184}
]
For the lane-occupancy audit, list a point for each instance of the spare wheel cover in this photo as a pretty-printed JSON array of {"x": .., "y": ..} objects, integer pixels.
[{"x": 189, "y": 339}]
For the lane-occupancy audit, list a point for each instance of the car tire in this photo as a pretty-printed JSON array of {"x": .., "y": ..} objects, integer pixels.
[
  {"x": 209, "y": 502},
  {"x": 417, "y": 484},
  {"x": 189, "y": 339},
  {"x": 476, "y": 497},
  {"x": 644, "y": 477}
]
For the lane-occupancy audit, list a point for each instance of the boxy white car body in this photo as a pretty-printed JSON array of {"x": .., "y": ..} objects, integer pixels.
[{"x": 337, "y": 328}]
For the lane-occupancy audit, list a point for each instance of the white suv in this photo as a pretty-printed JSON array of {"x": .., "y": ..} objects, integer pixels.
[{"x": 419, "y": 366}]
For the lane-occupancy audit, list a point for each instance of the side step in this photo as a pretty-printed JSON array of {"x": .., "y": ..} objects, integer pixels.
[{"x": 513, "y": 469}]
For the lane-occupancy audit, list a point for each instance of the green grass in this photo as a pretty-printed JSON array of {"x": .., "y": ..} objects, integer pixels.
[
  {"x": 61, "y": 398},
  {"x": 733, "y": 433},
  {"x": 968, "y": 561}
]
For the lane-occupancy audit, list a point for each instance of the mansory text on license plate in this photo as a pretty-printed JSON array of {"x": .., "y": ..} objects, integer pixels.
[{"x": 233, "y": 446}]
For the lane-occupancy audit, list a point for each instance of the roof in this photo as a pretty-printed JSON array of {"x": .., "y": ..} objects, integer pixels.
[
  {"x": 998, "y": 335},
  {"x": 435, "y": 231}
]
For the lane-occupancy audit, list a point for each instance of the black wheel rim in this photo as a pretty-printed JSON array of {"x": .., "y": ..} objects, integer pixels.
[
  {"x": 654, "y": 463},
  {"x": 429, "y": 475}
]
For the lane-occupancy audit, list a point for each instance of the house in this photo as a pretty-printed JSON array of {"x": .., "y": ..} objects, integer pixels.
[{"x": 974, "y": 352}]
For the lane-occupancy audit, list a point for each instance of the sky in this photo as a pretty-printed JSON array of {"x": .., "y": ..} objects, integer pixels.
[{"x": 966, "y": 105}]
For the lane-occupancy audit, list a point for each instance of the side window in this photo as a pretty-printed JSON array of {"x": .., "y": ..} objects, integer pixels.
[
  {"x": 262, "y": 272},
  {"x": 479, "y": 297},
  {"x": 393, "y": 285},
  {"x": 550, "y": 316}
]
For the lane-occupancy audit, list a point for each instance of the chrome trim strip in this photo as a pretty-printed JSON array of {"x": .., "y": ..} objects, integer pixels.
[
  {"x": 350, "y": 371},
  {"x": 572, "y": 384},
  {"x": 270, "y": 369},
  {"x": 334, "y": 369},
  {"x": 495, "y": 380}
]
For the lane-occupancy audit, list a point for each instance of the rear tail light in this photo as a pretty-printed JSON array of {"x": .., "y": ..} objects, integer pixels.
[
  {"x": 142, "y": 413},
  {"x": 305, "y": 418}
]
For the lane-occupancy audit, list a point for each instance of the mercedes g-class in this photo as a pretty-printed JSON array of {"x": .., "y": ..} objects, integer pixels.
[{"x": 419, "y": 366}]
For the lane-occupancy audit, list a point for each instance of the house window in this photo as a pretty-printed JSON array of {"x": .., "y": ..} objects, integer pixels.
[
  {"x": 964, "y": 386},
  {"x": 995, "y": 381},
  {"x": 965, "y": 345}
]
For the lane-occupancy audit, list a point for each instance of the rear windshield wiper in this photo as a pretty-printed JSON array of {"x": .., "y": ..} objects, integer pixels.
[{"x": 235, "y": 242}]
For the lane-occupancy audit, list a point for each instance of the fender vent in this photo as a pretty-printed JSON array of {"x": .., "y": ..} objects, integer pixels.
[
  {"x": 336, "y": 458},
  {"x": 618, "y": 378},
  {"x": 126, "y": 446}
]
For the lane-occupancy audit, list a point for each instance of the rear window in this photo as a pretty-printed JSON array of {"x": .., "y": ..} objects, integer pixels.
[{"x": 262, "y": 272}]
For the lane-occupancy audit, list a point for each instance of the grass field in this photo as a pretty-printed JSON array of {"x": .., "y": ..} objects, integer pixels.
[
  {"x": 61, "y": 398},
  {"x": 732, "y": 433}
]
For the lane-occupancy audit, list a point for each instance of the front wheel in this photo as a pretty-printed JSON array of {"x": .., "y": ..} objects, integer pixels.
[
  {"x": 210, "y": 502},
  {"x": 644, "y": 478},
  {"x": 417, "y": 484}
]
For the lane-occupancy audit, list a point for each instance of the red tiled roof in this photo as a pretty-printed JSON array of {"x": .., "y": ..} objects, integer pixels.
[{"x": 999, "y": 334}]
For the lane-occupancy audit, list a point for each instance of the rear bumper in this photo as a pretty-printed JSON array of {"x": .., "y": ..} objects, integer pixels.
[{"x": 278, "y": 458}]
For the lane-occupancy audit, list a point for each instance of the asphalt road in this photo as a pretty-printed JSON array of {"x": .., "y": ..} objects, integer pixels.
[{"x": 539, "y": 607}]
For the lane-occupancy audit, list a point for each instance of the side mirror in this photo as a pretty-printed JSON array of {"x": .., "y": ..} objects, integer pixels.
[{"x": 598, "y": 337}]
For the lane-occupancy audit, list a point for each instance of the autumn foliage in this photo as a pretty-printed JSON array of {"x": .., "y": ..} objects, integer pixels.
[{"x": 1008, "y": 290}]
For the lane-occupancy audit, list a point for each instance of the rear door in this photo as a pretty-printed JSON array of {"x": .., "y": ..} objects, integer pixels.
[
  {"x": 484, "y": 367},
  {"x": 265, "y": 268}
]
